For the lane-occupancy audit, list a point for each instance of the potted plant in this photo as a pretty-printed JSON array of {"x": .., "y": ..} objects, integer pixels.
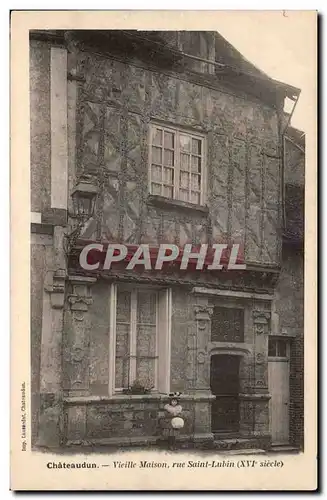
[{"x": 138, "y": 387}]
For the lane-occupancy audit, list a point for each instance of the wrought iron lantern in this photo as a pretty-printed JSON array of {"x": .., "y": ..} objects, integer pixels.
[{"x": 84, "y": 197}]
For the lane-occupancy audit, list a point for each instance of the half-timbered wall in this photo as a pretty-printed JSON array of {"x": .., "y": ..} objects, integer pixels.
[{"x": 111, "y": 104}]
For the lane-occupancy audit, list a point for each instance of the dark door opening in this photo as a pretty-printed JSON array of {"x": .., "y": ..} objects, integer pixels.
[{"x": 224, "y": 383}]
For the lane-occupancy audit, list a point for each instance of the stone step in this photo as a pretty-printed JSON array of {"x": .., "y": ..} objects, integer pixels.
[
  {"x": 244, "y": 451},
  {"x": 283, "y": 448},
  {"x": 231, "y": 444}
]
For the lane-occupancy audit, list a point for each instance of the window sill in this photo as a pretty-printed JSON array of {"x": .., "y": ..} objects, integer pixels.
[
  {"x": 161, "y": 201},
  {"x": 114, "y": 398}
]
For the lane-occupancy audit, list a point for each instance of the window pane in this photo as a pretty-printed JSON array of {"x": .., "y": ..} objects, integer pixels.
[
  {"x": 155, "y": 188},
  {"x": 123, "y": 307},
  {"x": 195, "y": 197},
  {"x": 184, "y": 180},
  {"x": 196, "y": 164},
  {"x": 156, "y": 173},
  {"x": 168, "y": 191},
  {"x": 185, "y": 142},
  {"x": 145, "y": 371},
  {"x": 169, "y": 140},
  {"x": 183, "y": 195},
  {"x": 146, "y": 341},
  {"x": 157, "y": 137},
  {"x": 168, "y": 158},
  {"x": 156, "y": 155},
  {"x": 121, "y": 373},
  {"x": 146, "y": 307},
  {"x": 281, "y": 348},
  {"x": 122, "y": 339},
  {"x": 271, "y": 347},
  {"x": 122, "y": 353},
  {"x": 185, "y": 162},
  {"x": 195, "y": 182},
  {"x": 196, "y": 146},
  {"x": 168, "y": 175}
]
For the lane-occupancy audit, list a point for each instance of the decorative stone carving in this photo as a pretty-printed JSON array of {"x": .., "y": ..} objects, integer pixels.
[
  {"x": 79, "y": 303},
  {"x": 77, "y": 347},
  {"x": 77, "y": 353},
  {"x": 261, "y": 316},
  {"x": 81, "y": 297},
  {"x": 57, "y": 289},
  {"x": 203, "y": 312},
  {"x": 198, "y": 357},
  {"x": 201, "y": 357},
  {"x": 261, "y": 321},
  {"x": 260, "y": 358}
]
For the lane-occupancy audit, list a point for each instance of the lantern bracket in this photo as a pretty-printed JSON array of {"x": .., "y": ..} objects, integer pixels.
[{"x": 84, "y": 197}]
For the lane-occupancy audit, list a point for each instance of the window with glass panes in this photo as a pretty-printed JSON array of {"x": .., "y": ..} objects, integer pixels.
[
  {"x": 177, "y": 164},
  {"x": 139, "y": 337},
  {"x": 278, "y": 347},
  {"x": 136, "y": 338}
]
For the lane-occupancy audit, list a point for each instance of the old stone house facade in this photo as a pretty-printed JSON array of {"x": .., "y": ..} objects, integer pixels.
[{"x": 183, "y": 141}]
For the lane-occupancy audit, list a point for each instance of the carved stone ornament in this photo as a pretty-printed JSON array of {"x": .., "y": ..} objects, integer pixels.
[
  {"x": 260, "y": 328},
  {"x": 261, "y": 321},
  {"x": 261, "y": 317},
  {"x": 260, "y": 358},
  {"x": 77, "y": 353},
  {"x": 203, "y": 313},
  {"x": 201, "y": 356},
  {"x": 57, "y": 289},
  {"x": 79, "y": 303}
]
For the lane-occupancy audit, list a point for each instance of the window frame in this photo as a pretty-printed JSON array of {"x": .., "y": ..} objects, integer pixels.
[
  {"x": 163, "y": 341},
  {"x": 176, "y": 186},
  {"x": 276, "y": 356}
]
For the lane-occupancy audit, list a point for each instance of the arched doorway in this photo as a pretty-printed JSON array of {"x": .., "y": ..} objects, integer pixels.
[{"x": 225, "y": 386}]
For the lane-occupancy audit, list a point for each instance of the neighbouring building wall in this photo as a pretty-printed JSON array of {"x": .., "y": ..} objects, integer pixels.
[
  {"x": 294, "y": 162},
  {"x": 290, "y": 307},
  {"x": 289, "y": 294},
  {"x": 40, "y": 125},
  {"x": 47, "y": 221},
  {"x": 41, "y": 263}
]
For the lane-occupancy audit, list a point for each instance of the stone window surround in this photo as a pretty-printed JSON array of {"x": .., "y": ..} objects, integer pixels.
[
  {"x": 163, "y": 343},
  {"x": 132, "y": 334}
]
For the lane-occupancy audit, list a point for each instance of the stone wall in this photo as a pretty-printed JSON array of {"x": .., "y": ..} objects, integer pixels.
[
  {"x": 40, "y": 125},
  {"x": 91, "y": 414},
  {"x": 41, "y": 254},
  {"x": 290, "y": 309},
  {"x": 129, "y": 420},
  {"x": 294, "y": 164}
]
